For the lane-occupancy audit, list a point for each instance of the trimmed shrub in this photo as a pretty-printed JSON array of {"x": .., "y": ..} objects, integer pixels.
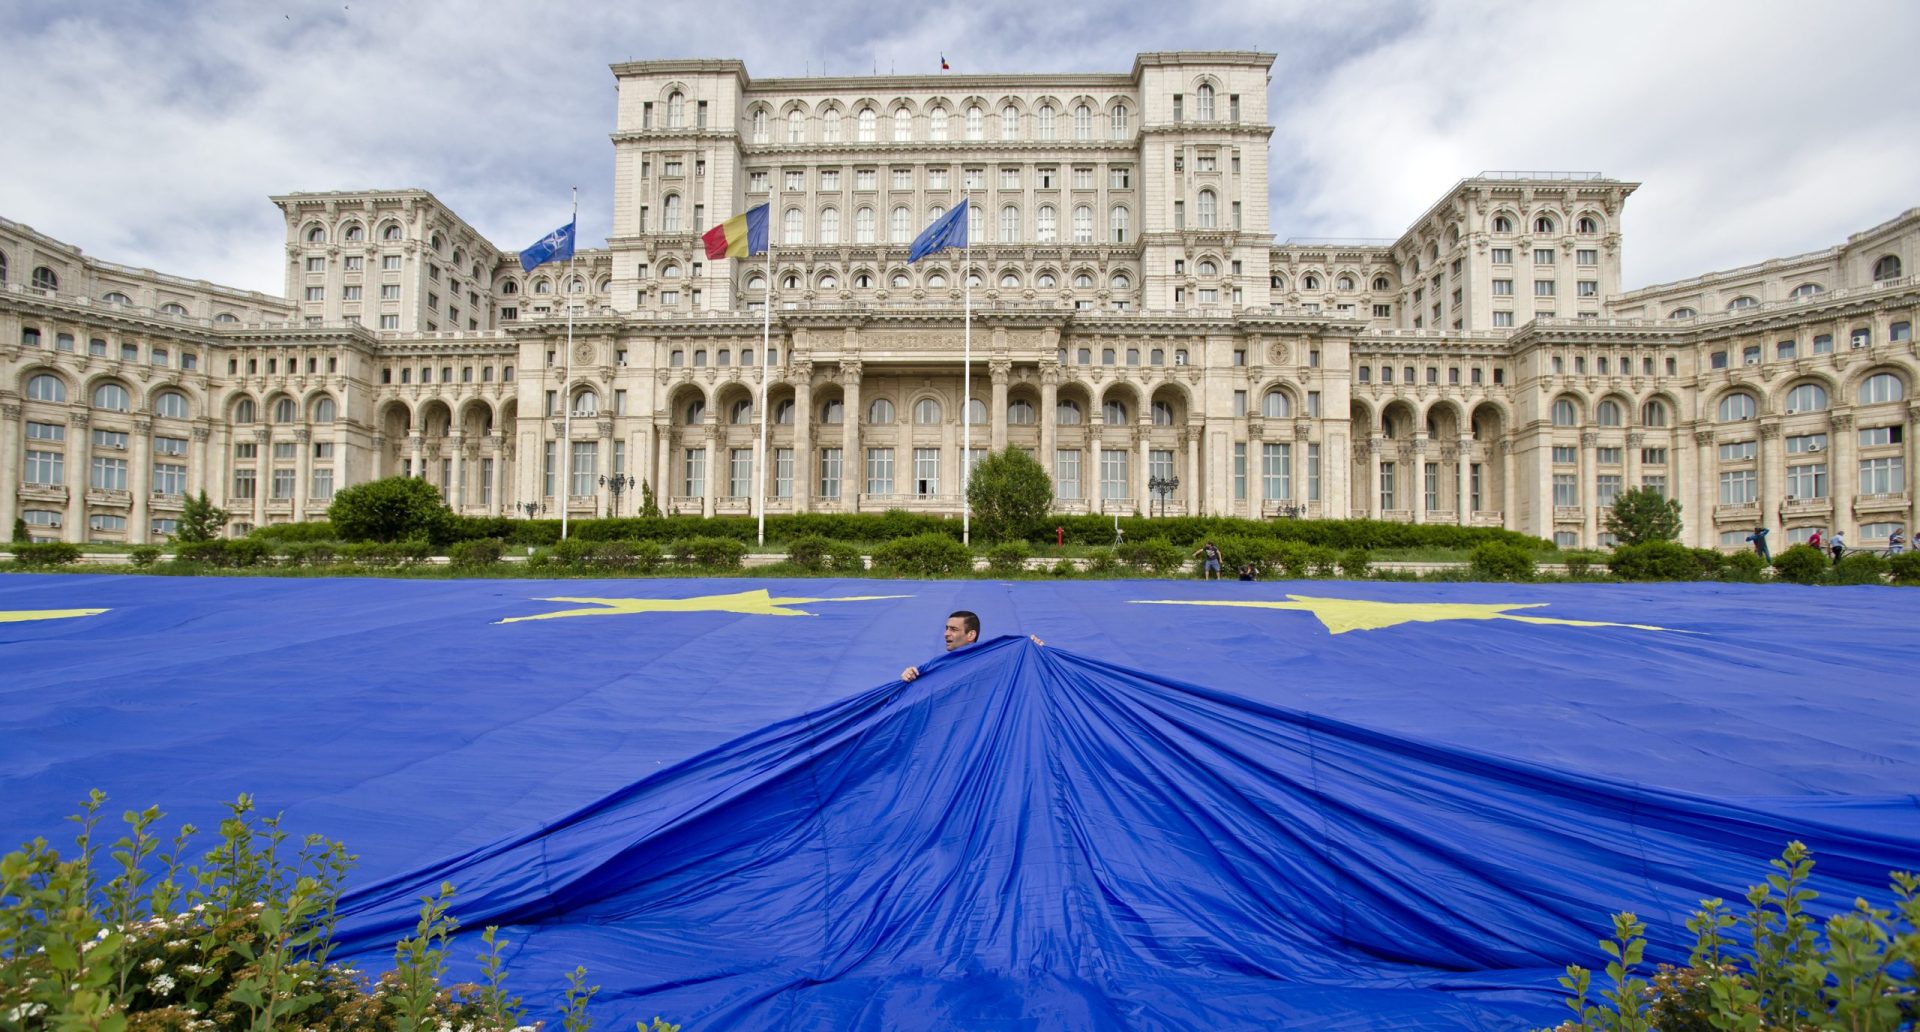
[
  {"x": 1294, "y": 558},
  {"x": 1323, "y": 561},
  {"x": 1158, "y": 556},
  {"x": 1655, "y": 560},
  {"x": 313, "y": 530},
  {"x": 710, "y": 553},
  {"x": 1709, "y": 561},
  {"x": 1905, "y": 568},
  {"x": 144, "y": 555},
  {"x": 392, "y": 509},
  {"x": 817, "y": 553},
  {"x": 1008, "y": 558},
  {"x": 1496, "y": 561},
  {"x": 1580, "y": 564},
  {"x": 923, "y": 555},
  {"x": 45, "y": 553},
  {"x": 1861, "y": 568},
  {"x": 1356, "y": 563},
  {"x": 479, "y": 552},
  {"x": 1009, "y": 494},
  {"x": 1340, "y": 535},
  {"x": 1801, "y": 564},
  {"x": 1746, "y": 567},
  {"x": 235, "y": 554},
  {"x": 1101, "y": 561},
  {"x": 310, "y": 553},
  {"x": 387, "y": 554},
  {"x": 1063, "y": 568}
]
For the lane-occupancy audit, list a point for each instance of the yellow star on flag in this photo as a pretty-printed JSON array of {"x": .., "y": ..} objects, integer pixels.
[
  {"x": 1341, "y": 615},
  {"x": 22, "y": 615},
  {"x": 750, "y": 603}
]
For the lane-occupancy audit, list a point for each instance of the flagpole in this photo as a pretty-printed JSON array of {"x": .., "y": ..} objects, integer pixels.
[
  {"x": 966, "y": 377},
  {"x": 566, "y": 389},
  {"x": 766, "y": 373}
]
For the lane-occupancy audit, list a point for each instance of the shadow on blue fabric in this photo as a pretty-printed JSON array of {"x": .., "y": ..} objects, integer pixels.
[{"x": 1027, "y": 838}]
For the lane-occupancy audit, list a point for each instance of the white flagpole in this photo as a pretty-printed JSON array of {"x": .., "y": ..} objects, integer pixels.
[
  {"x": 966, "y": 377},
  {"x": 566, "y": 389},
  {"x": 766, "y": 373}
]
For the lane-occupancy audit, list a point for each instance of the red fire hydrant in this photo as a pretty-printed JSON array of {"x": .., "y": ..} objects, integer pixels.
[{"x": 1059, "y": 537}]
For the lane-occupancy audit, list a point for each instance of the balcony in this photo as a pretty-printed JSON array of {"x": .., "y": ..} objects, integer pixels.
[
  {"x": 1884, "y": 502},
  {"x": 1489, "y": 518},
  {"x": 1746, "y": 512},
  {"x": 1797, "y": 508},
  {"x": 1569, "y": 513}
]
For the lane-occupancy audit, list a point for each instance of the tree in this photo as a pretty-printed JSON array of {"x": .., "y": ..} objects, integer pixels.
[
  {"x": 21, "y": 535},
  {"x": 1009, "y": 494},
  {"x": 1644, "y": 515},
  {"x": 649, "y": 506},
  {"x": 200, "y": 520},
  {"x": 394, "y": 509}
]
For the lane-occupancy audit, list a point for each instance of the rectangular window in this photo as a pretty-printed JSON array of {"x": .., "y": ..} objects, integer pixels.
[
  {"x": 1119, "y": 179},
  {"x": 389, "y": 322},
  {"x": 102, "y": 521},
  {"x": 1475, "y": 471},
  {"x": 169, "y": 479},
  {"x": 1807, "y": 481},
  {"x": 1503, "y": 318},
  {"x": 739, "y": 472},
  {"x": 1543, "y": 288},
  {"x": 1566, "y": 489},
  {"x": 283, "y": 483},
  {"x": 1313, "y": 472},
  {"x": 926, "y": 472},
  {"x": 1239, "y": 404},
  {"x": 244, "y": 482},
  {"x": 829, "y": 472},
  {"x": 1785, "y": 349},
  {"x": 1503, "y": 256},
  {"x": 1588, "y": 288},
  {"x": 110, "y": 439},
  {"x": 108, "y": 474},
  {"x": 1882, "y": 476},
  {"x": 586, "y": 467},
  {"x": 1113, "y": 476},
  {"x": 323, "y": 482},
  {"x": 1587, "y": 256},
  {"x": 868, "y": 179},
  {"x": 1276, "y": 472},
  {"x": 1737, "y": 451},
  {"x": 1386, "y": 485},
  {"x": 284, "y": 450},
  {"x": 1543, "y": 256},
  {"x": 1876, "y": 436},
  {"x": 1823, "y": 344},
  {"x": 1066, "y": 473},
  {"x": 390, "y": 262},
  {"x": 1656, "y": 484},
  {"x": 1607, "y": 456},
  {"x": 1801, "y": 443},
  {"x": 1739, "y": 487},
  {"x": 879, "y": 471},
  {"x": 1605, "y": 489},
  {"x": 694, "y": 484},
  {"x": 1653, "y": 456},
  {"x": 1430, "y": 486},
  {"x": 1565, "y": 454},
  {"x": 1240, "y": 472},
  {"x": 46, "y": 468},
  {"x": 783, "y": 472},
  {"x": 1503, "y": 288},
  {"x": 1750, "y": 354},
  {"x": 46, "y": 432}
]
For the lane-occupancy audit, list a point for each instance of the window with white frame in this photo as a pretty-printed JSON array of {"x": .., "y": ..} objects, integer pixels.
[
  {"x": 1885, "y": 475},
  {"x": 1805, "y": 481},
  {"x": 1566, "y": 489},
  {"x": 1276, "y": 472},
  {"x": 879, "y": 471},
  {"x": 1113, "y": 476},
  {"x": 830, "y": 472},
  {"x": 1739, "y": 487}
]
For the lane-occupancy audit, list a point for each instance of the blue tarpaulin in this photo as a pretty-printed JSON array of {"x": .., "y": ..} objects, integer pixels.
[{"x": 1303, "y": 805}]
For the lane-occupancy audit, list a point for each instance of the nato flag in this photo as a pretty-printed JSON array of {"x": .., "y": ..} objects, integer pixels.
[
  {"x": 949, "y": 230},
  {"x": 556, "y": 246}
]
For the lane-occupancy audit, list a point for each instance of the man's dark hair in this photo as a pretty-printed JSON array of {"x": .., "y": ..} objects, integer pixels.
[{"x": 968, "y": 621}]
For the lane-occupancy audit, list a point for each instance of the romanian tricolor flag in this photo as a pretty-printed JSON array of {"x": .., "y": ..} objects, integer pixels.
[{"x": 740, "y": 236}]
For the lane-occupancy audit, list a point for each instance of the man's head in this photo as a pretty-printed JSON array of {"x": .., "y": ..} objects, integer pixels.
[{"x": 963, "y": 628}]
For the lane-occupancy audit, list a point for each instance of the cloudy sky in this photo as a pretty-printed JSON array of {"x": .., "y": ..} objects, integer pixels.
[{"x": 152, "y": 133}]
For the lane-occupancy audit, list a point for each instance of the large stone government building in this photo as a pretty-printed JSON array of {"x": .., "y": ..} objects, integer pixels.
[{"x": 1133, "y": 318}]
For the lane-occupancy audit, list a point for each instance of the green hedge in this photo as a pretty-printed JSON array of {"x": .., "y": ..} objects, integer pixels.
[
  {"x": 923, "y": 555},
  {"x": 1497, "y": 561},
  {"x": 1341, "y": 535},
  {"x": 44, "y": 553}
]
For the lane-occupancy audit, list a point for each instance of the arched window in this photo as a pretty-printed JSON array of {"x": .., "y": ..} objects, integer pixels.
[
  {"x": 1888, "y": 267},
  {"x": 863, "y": 226},
  {"x": 696, "y": 412},
  {"x": 1743, "y": 301},
  {"x": 1382, "y": 283},
  {"x": 1206, "y": 268},
  {"x": 1119, "y": 128},
  {"x": 926, "y": 412},
  {"x": 937, "y": 124},
  {"x": 1083, "y": 281},
  {"x": 111, "y": 397},
  {"x": 783, "y": 412},
  {"x": 869, "y": 120},
  {"x": 901, "y": 281},
  {"x": 1588, "y": 225},
  {"x": 1808, "y": 397},
  {"x": 1653, "y": 413},
  {"x": 1343, "y": 283},
  {"x": 1502, "y": 224},
  {"x": 1009, "y": 278},
  {"x": 586, "y": 403},
  {"x": 3, "y": 267},
  {"x": 1009, "y": 224},
  {"x": 46, "y": 388},
  {"x": 1881, "y": 387},
  {"x": 325, "y": 410},
  {"x": 1310, "y": 282},
  {"x": 936, "y": 280},
  {"x": 510, "y": 287},
  {"x": 1543, "y": 224},
  {"x": 1564, "y": 414},
  {"x": 977, "y": 412},
  {"x": 316, "y": 235},
  {"x": 45, "y": 279},
  {"x": 1607, "y": 414},
  {"x": 1047, "y": 225},
  {"x": 1121, "y": 281},
  {"x": 902, "y": 125},
  {"x": 243, "y": 411},
  {"x": 676, "y": 110},
  {"x": 828, "y": 281},
  {"x": 1020, "y": 412},
  {"x": 1044, "y": 123},
  {"x": 900, "y": 226},
  {"x": 226, "y": 317},
  {"x": 796, "y": 126},
  {"x": 740, "y": 413},
  {"x": 863, "y": 280},
  {"x": 283, "y": 411},
  {"x": 791, "y": 225},
  {"x": 880, "y": 412},
  {"x": 1736, "y": 407},
  {"x": 1203, "y": 102},
  {"x": 393, "y": 232},
  {"x": 1067, "y": 412},
  {"x": 114, "y": 297},
  {"x": 541, "y": 286},
  {"x": 670, "y": 222},
  {"x": 976, "y": 222},
  {"x": 830, "y": 126},
  {"x": 1209, "y": 209},
  {"x": 1808, "y": 290},
  {"x": 1276, "y": 405},
  {"x": 1082, "y": 224},
  {"x": 976, "y": 122},
  {"x": 170, "y": 405},
  {"x": 1046, "y": 279},
  {"x": 760, "y": 125},
  {"x": 830, "y": 225},
  {"x": 1114, "y": 412},
  {"x": 1118, "y": 221},
  {"x": 1682, "y": 313},
  {"x": 355, "y": 234},
  {"x": 832, "y": 413},
  {"x": 1009, "y": 123},
  {"x": 1163, "y": 413},
  {"x": 1082, "y": 122}
]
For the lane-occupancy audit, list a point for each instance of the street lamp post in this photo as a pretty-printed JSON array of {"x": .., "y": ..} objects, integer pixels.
[
  {"x": 1163, "y": 486},
  {"x": 615, "y": 484},
  {"x": 530, "y": 508}
]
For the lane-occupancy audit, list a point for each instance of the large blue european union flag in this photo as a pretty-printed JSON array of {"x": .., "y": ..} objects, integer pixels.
[
  {"x": 949, "y": 230},
  {"x": 556, "y": 246},
  {"x": 1306, "y": 805}
]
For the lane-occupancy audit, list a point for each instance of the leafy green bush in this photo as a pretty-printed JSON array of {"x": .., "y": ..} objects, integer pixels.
[
  {"x": 144, "y": 555},
  {"x": 637, "y": 556},
  {"x": 1861, "y": 568},
  {"x": 1655, "y": 560},
  {"x": 817, "y": 553},
  {"x": 1101, "y": 561},
  {"x": 1008, "y": 558},
  {"x": 224, "y": 554},
  {"x": 1498, "y": 561},
  {"x": 1355, "y": 563},
  {"x": 710, "y": 553},
  {"x": 45, "y": 553},
  {"x": 923, "y": 555},
  {"x": 387, "y": 554},
  {"x": 1643, "y": 515},
  {"x": 1905, "y": 568},
  {"x": 1158, "y": 556},
  {"x": 1580, "y": 564},
  {"x": 1294, "y": 559},
  {"x": 1009, "y": 495},
  {"x": 1746, "y": 567},
  {"x": 1801, "y": 564},
  {"x": 392, "y": 509},
  {"x": 1063, "y": 568},
  {"x": 478, "y": 552},
  {"x": 1790, "y": 971},
  {"x": 1340, "y": 535},
  {"x": 312, "y": 530},
  {"x": 1323, "y": 560},
  {"x": 310, "y": 553}
]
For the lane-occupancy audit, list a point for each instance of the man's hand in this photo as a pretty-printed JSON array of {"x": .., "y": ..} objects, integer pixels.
[
  {"x": 1036, "y": 639},
  {"x": 909, "y": 673}
]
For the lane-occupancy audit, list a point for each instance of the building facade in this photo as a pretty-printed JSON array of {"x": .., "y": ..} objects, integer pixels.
[{"x": 1133, "y": 322}]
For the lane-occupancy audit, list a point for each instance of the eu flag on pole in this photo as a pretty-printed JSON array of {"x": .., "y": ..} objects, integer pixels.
[
  {"x": 556, "y": 246},
  {"x": 949, "y": 230}
]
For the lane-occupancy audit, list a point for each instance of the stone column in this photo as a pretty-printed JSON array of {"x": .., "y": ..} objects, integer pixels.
[
  {"x": 711, "y": 488},
  {"x": 262, "y": 474},
  {"x": 13, "y": 436},
  {"x": 457, "y": 492},
  {"x": 302, "y": 471},
  {"x": 1096, "y": 422},
  {"x": 1630, "y": 481},
  {"x": 1420, "y": 477},
  {"x": 1049, "y": 404},
  {"x": 663, "y": 464},
  {"x": 1704, "y": 481},
  {"x": 1843, "y": 471},
  {"x": 603, "y": 464},
  {"x": 416, "y": 451},
  {"x": 1906, "y": 472},
  {"x": 1589, "y": 490},
  {"x": 79, "y": 477},
  {"x": 1190, "y": 482},
  {"x": 853, "y": 465},
  {"x": 1771, "y": 467},
  {"x": 1463, "y": 480},
  {"x": 997, "y": 408},
  {"x": 498, "y": 489},
  {"x": 802, "y": 436},
  {"x": 1376, "y": 505},
  {"x": 1503, "y": 458},
  {"x": 197, "y": 469},
  {"x": 1254, "y": 507}
]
